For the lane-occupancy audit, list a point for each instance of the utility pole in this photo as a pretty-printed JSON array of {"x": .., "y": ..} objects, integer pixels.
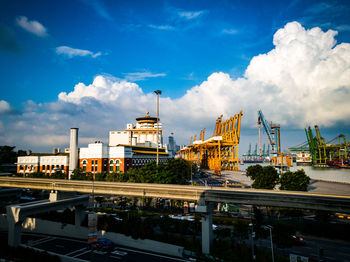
[
  {"x": 253, "y": 235},
  {"x": 158, "y": 92}
]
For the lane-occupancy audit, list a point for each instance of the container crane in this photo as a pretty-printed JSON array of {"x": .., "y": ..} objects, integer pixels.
[{"x": 273, "y": 134}]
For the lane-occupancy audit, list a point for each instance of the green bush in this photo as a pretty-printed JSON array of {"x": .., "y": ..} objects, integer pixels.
[
  {"x": 296, "y": 181},
  {"x": 253, "y": 171},
  {"x": 266, "y": 179},
  {"x": 78, "y": 174}
]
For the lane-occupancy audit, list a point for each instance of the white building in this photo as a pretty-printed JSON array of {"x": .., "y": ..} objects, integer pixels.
[{"x": 143, "y": 133}]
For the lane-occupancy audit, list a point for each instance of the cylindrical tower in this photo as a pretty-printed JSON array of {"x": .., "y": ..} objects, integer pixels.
[{"x": 73, "y": 150}]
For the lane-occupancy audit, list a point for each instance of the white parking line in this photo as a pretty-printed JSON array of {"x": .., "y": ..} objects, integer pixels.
[
  {"x": 116, "y": 257},
  {"x": 75, "y": 251},
  {"x": 43, "y": 240},
  {"x": 80, "y": 254},
  {"x": 152, "y": 254}
]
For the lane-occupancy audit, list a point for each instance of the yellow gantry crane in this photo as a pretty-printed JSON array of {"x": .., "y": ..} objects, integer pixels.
[{"x": 219, "y": 151}]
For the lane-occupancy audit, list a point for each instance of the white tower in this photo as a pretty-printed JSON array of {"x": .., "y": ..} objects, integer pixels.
[{"x": 73, "y": 150}]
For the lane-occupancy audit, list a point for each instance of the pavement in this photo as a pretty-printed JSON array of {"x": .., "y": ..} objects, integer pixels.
[
  {"x": 315, "y": 186},
  {"x": 77, "y": 249},
  {"x": 333, "y": 250}
]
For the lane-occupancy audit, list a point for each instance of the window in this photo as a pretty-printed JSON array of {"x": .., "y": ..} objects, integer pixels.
[
  {"x": 111, "y": 166},
  {"x": 117, "y": 165},
  {"x": 94, "y": 165},
  {"x": 84, "y": 165}
]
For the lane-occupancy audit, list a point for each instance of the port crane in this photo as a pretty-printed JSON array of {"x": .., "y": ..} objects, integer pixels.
[
  {"x": 327, "y": 153},
  {"x": 273, "y": 134},
  {"x": 220, "y": 151}
]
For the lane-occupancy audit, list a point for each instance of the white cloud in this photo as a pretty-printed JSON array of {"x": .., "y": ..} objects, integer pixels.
[
  {"x": 343, "y": 28},
  {"x": 137, "y": 76},
  {"x": 72, "y": 52},
  {"x": 104, "y": 89},
  {"x": 33, "y": 27},
  {"x": 4, "y": 107},
  {"x": 99, "y": 7},
  {"x": 189, "y": 15},
  {"x": 229, "y": 31},
  {"x": 304, "y": 79},
  {"x": 162, "y": 27}
]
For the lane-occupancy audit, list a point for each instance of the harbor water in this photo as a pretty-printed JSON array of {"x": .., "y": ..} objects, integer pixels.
[{"x": 341, "y": 175}]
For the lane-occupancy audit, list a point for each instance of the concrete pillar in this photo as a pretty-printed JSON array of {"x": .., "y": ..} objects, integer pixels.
[
  {"x": 207, "y": 232},
  {"x": 14, "y": 233},
  {"x": 79, "y": 215},
  {"x": 207, "y": 225},
  {"x": 54, "y": 196},
  {"x": 14, "y": 226}
]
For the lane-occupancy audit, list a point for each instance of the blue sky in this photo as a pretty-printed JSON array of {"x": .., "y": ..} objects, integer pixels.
[{"x": 49, "y": 47}]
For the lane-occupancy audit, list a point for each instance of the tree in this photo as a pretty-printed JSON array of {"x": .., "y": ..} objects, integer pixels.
[
  {"x": 78, "y": 174},
  {"x": 253, "y": 171},
  {"x": 267, "y": 179},
  {"x": 7, "y": 155},
  {"x": 175, "y": 171},
  {"x": 100, "y": 176},
  {"x": 296, "y": 181}
]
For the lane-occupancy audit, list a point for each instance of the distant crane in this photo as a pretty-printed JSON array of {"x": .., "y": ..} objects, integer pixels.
[{"x": 273, "y": 134}]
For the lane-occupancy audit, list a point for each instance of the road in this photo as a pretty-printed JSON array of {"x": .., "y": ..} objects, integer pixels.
[
  {"x": 75, "y": 248},
  {"x": 333, "y": 250}
]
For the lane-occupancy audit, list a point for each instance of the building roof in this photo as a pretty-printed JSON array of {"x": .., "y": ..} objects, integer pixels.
[
  {"x": 144, "y": 148},
  {"x": 147, "y": 118},
  {"x": 49, "y": 154}
]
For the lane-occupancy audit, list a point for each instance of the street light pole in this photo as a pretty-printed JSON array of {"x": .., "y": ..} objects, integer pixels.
[
  {"x": 253, "y": 235},
  {"x": 158, "y": 92},
  {"x": 270, "y": 228}
]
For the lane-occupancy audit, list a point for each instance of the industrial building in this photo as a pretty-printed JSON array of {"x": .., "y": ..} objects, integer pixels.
[
  {"x": 129, "y": 148},
  {"x": 46, "y": 163}
]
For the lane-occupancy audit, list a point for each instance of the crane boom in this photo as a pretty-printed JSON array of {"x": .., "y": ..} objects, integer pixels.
[{"x": 273, "y": 133}]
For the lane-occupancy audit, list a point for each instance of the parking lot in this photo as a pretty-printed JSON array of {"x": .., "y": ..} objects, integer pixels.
[{"x": 79, "y": 249}]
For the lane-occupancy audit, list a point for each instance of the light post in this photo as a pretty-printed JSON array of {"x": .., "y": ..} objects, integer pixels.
[
  {"x": 158, "y": 92},
  {"x": 253, "y": 235},
  {"x": 270, "y": 228}
]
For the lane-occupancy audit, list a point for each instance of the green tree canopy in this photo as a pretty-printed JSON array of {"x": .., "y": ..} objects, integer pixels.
[
  {"x": 254, "y": 170},
  {"x": 175, "y": 171},
  {"x": 7, "y": 155},
  {"x": 265, "y": 179},
  {"x": 296, "y": 181}
]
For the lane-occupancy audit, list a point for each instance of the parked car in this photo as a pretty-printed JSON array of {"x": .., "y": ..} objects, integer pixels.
[
  {"x": 105, "y": 244},
  {"x": 297, "y": 241}
]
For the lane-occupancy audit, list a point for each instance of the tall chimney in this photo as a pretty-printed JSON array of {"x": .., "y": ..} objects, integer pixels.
[{"x": 73, "y": 150}]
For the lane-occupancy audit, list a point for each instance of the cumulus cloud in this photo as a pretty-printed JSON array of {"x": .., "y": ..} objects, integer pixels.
[
  {"x": 304, "y": 79},
  {"x": 72, "y": 52},
  {"x": 4, "y": 107},
  {"x": 33, "y": 26}
]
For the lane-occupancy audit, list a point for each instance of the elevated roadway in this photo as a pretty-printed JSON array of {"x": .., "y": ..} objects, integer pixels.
[{"x": 204, "y": 195}]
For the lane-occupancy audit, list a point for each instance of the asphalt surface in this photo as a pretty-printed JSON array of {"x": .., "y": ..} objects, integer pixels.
[
  {"x": 333, "y": 250},
  {"x": 78, "y": 249}
]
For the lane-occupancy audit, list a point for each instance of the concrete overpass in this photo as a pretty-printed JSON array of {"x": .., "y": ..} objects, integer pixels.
[
  {"x": 304, "y": 200},
  {"x": 205, "y": 196}
]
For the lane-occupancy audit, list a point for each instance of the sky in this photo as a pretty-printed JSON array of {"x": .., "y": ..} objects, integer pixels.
[{"x": 94, "y": 64}]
